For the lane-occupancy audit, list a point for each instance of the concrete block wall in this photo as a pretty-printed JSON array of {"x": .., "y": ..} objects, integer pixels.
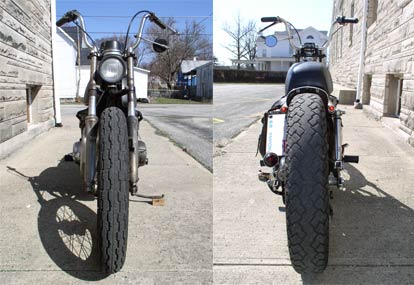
[
  {"x": 389, "y": 52},
  {"x": 26, "y": 61}
]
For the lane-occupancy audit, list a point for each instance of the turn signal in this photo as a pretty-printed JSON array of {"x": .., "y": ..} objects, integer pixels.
[{"x": 270, "y": 159}]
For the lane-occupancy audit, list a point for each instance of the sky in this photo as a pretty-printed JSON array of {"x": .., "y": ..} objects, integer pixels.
[
  {"x": 301, "y": 13},
  {"x": 106, "y": 17}
]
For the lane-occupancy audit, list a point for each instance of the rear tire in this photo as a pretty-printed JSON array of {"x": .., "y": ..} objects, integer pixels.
[
  {"x": 307, "y": 198},
  {"x": 113, "y": 189}
]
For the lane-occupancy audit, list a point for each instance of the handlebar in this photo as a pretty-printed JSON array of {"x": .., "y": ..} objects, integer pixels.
[
  {"x": 75, "y": 15},
  {"x": 341, "y": 20}
]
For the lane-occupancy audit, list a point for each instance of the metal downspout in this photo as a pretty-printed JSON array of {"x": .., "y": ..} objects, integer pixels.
[
  {"x": 361, "y": 71},
  {"x": 58, "y": 116}
]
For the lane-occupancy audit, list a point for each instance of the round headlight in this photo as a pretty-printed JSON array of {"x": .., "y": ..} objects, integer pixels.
[{"x": 111, "y": 69}]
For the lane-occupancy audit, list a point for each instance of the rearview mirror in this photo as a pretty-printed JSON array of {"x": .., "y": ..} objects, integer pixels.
[
  {"x": 270, "y": 41},
  {"x": 160, "y": 45}
]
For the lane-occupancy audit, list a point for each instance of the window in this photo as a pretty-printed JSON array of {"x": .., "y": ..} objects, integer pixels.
[
  {"x": 264, "y": 54},
  {"x": 31, "y": 103},
  {"x": 372, "y": 12},
  {"x": 393, "y": 92},
  {"x": 351, "y": 27},
  {"x": 366, "y": 97}
]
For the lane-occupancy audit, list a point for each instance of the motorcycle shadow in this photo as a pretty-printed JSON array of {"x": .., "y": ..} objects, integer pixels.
[
  {"x": 370, "y": 235},
  {"x": 67, "y": 228}
]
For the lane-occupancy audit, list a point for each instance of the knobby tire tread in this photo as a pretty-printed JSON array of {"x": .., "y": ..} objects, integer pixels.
[{"x": 307, "y": 197}]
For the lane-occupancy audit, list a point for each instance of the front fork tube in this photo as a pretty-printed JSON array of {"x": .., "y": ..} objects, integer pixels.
[
  {"x": 133, "y": 125},
  {"x": 89, "y": 137}
]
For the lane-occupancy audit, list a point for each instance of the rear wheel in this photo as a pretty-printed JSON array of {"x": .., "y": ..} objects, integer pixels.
[
  {"x": 113, "y": 186},
  {"x": 307, "y": 199}
]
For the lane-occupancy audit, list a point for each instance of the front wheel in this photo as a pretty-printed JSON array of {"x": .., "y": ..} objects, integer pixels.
[
  {"x": 113, "y": 184},
  {"x": 307, "y": 199}
]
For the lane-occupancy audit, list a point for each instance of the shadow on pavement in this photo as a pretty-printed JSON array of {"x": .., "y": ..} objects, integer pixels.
[
  {"x": 67, "y": 228},
  {"x": 371, "y": 235}
]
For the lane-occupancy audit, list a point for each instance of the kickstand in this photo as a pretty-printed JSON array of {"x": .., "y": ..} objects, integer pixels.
[{"x": 156, "y": 200}]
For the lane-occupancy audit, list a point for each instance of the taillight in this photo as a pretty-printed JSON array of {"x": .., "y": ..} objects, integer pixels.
[
  {"x": 283, "y": 110},
  {"x": 270, "y": 159},
  {"x": 331, "y": 109}
]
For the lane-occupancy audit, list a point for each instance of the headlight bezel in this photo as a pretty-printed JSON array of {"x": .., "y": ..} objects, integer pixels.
[{"x": 120, "y": 60}]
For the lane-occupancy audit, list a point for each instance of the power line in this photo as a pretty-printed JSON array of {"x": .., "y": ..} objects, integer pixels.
[
  {"x": 128, "y": 17},
  {"x": 123, "y": 33}
]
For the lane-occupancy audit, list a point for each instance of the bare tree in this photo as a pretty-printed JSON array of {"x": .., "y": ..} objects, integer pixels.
[
  {"x": 189, "y": 44},
  {"x": 243, "y": 39}
]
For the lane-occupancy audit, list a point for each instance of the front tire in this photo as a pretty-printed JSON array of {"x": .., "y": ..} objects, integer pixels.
[
  {"x": 113, "y": 189},
  {"x": 307, "y": 198}
]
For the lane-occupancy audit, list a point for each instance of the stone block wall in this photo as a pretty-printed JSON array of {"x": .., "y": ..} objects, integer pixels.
[
  {"x": 346, "y": 45},
  {"x": 389, "y": 53},
  {"x": 25, "y": 63}
]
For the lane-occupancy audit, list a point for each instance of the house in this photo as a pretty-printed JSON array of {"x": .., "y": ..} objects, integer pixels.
[
  {"x": 374, "y": 59},
  {"x": 27, "y": 103},
  {"x": 197, "y": 77},
  {"x": 83, "y": 69},
  {"x": 65, "y": 71},
  {"x": 279, "y": 58}
]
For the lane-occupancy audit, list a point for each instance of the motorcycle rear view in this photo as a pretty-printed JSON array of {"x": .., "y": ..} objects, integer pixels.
[
  {"x": 301, "y": 141},
  {"x": 109, "y": 151}
]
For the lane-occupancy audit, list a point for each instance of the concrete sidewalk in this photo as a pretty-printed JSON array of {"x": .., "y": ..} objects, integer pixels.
[
  {"x": 372, "y": 230},
  {"x": 48, "y": 226}
]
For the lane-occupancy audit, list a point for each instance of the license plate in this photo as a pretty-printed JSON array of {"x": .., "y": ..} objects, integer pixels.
[{"x": 276, "y": 124}]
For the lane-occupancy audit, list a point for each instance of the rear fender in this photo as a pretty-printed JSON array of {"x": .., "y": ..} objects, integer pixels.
[{"x": 308, "y": 89}]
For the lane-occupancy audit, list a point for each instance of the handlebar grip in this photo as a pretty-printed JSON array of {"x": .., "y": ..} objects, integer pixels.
[
  {"x": 351, "y": 20},
  {"x": 344, "y": 20},
  {"x": 270, "y": 19},
  {"x": 157, "y": 21},
  {"x": 68, "y": 17},
  {"x": 62, "y": 21}
]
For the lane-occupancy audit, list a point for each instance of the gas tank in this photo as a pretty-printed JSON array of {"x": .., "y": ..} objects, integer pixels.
[{"x": 309, "y": 73}]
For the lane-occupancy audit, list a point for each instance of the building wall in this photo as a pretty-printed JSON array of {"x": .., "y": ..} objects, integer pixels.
[
  {"x": 26, "y": 63},
  {"x": 205, "y": 81},
  {"x": 141, "y": 82},
  {"x": 65, "y": 73},
  {"x": 345, "y": 47},
  {"x": 389, "y": 56}
]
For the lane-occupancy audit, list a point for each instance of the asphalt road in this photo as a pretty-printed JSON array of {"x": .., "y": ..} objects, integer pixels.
[
  {"x": 189, "y": 125},
  {"x": 237, "y": 106}
]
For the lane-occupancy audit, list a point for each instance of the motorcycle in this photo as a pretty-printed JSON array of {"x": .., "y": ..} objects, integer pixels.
[
  {"x": 301, "y": 141},
  {"x": 110, "y": 151}
]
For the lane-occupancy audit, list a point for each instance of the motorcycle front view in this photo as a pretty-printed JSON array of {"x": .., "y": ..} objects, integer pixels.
[
  {"x": 110, "y": 151},
  {"x": 301, "y": 142}
]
